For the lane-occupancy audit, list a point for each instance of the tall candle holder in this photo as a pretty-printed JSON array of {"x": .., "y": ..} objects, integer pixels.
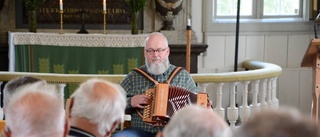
[
  {"x": 104, "y": 22},
  {"x": 188, "y": 47},
  {"x": 61, "y": 21}
]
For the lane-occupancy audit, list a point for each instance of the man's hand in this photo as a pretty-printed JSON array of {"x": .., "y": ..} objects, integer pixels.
[{"x": 138, "y": 101}]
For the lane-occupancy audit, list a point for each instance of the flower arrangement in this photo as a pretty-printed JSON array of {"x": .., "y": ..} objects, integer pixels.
[
  {"x": 33, "y": 4},
  {"x": 32, "y": 7},
  {"x": 135, "y": 7}
]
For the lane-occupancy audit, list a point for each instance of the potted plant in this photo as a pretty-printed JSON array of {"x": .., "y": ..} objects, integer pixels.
[
  {"x": 32, "y": 7},
  {"x": 135, "y": 7}
]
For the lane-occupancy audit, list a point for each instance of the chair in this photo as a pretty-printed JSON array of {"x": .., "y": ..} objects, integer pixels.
[
  {"x": 127, "y": 122},
  {"x": 69, "y": 103}
]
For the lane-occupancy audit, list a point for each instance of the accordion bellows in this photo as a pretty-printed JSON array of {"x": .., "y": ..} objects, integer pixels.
[{"x": 166, "y": 100}]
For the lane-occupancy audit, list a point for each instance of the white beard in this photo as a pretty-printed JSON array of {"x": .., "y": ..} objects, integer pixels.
[{"x": 157, "y": 68}]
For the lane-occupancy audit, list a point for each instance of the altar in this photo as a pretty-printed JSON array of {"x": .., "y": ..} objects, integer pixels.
[
  {"x": 87, "y": 53},
  {"x": 75, "y": 53}
]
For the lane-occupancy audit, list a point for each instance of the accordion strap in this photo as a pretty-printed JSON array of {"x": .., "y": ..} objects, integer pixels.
[
  {"x": 143, "y": 73},
  {"x": 172, "y": 75}
]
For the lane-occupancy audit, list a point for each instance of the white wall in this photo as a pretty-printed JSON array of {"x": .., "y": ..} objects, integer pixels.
[
  {"x": 280, "y": 43},
  {"x": 285, "y": 50}
]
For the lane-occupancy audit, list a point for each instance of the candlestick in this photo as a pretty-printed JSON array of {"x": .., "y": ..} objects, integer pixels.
[
  {"x": 188, "y": 47},
  {"x": 104, "y": 22},
  {"x": 61, "y": 5},
  {"x": 61, "y": 21},
  {"x": 104, "y": 5}
]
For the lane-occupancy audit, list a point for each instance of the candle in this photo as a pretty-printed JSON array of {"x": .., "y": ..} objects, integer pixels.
[
  {"x": 61, "y": 5},
  {"x": 189, "y": 22},
  {"x": 104, "y": 5}
]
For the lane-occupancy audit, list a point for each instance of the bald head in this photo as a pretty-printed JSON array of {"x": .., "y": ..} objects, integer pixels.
[
  {"x": 11, "y": 87},
  {"x": 36, "y": 110},
  {"x": 156, "y": 40},
  {"x": 282, "y": 122},
  {"x": 195, "y": 121},
  {"x": 100, "y": 102}
]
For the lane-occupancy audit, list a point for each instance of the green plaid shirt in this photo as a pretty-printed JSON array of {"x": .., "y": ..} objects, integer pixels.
[{"x": 135, "y": 84}]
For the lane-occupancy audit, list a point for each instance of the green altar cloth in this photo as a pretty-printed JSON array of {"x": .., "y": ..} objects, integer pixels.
[{"x": 77, "y": 60}]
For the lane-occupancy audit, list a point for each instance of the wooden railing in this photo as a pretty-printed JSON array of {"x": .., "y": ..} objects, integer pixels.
[{"x": 256, "y": 87}]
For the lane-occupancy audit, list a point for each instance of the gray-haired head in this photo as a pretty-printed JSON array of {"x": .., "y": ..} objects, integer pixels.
[
  {"x": 100, "y": 102},
  {"x": 282, "y": 122},
  {"x": 36, "y": 110},
  {"x": 195, "y": 121},
  {"x": 11, "y": 87}
]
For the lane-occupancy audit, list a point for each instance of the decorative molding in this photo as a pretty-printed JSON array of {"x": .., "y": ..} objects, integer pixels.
[{"x": 93, "y": 40}]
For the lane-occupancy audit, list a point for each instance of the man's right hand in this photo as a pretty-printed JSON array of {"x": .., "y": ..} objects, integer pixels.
[{"x": 139, "y": 101}]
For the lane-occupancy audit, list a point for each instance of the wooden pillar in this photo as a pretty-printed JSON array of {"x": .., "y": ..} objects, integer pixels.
[
  {"x": 316, "y": 86},
  {"x": 312, "y": 59}
]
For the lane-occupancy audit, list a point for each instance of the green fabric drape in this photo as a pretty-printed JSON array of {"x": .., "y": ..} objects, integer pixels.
[{"x": 78, "y": 60}]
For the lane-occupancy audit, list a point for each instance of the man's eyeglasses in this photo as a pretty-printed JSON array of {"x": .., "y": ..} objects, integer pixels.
[{"x": 160, "y": 51}]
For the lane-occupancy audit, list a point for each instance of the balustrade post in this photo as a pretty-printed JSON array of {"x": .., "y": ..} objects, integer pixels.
[
  {"x": 61, "y": 91},
  {"x": 263, "y": 88},
  {"x": 244, "y": 109},
  {"x": 255, "y": 107},
  {"x": 274, "y": 99},
  {"x": 204, "y": 86},
  {"x": 219, "y": 109},
  {"x": 269, "y": 92},
  {"x": 232, "y": 111}
]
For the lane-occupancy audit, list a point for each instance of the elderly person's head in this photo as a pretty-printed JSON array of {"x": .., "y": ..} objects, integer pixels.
[
  {"x": 196, "y": 121},
  {"x": 35, "y": 110},
  {"x": 98, "y": 107},
  {"x": 156, "y": 52},
  {"x": 10, "y": 88},
  {"x": 282, "y": 122}
]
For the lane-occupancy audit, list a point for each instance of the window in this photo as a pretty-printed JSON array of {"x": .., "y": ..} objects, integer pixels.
[
  {"x": 258, "y": 9},
  {"x": 258, "y": 15}
]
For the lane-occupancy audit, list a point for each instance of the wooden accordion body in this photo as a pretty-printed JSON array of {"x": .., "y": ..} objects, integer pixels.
[{"x": 166, "y": 100}]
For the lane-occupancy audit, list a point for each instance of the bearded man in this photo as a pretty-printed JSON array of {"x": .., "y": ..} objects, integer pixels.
[{"x": 157, "y": 65}]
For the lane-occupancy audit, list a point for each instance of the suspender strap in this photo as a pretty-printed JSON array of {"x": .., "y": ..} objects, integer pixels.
[
  {"x": 145, "y": 75},
  {"x": 172, "y": 75}
]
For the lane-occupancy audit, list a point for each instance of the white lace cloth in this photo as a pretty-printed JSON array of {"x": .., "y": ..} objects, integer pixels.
[{"x": 88, "y": 40}]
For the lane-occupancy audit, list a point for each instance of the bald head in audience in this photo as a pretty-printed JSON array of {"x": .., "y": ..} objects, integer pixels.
[
  {"x": 11, "y": 87},
  {"x": 35, "y": 111},
  {"x": 282, "y": 122},
  {"x": 97, "y": 108},
  {"x": 195, "y": 121}
]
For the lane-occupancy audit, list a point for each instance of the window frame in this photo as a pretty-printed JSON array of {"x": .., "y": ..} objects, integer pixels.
[{"x": 210, "y": 24}]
